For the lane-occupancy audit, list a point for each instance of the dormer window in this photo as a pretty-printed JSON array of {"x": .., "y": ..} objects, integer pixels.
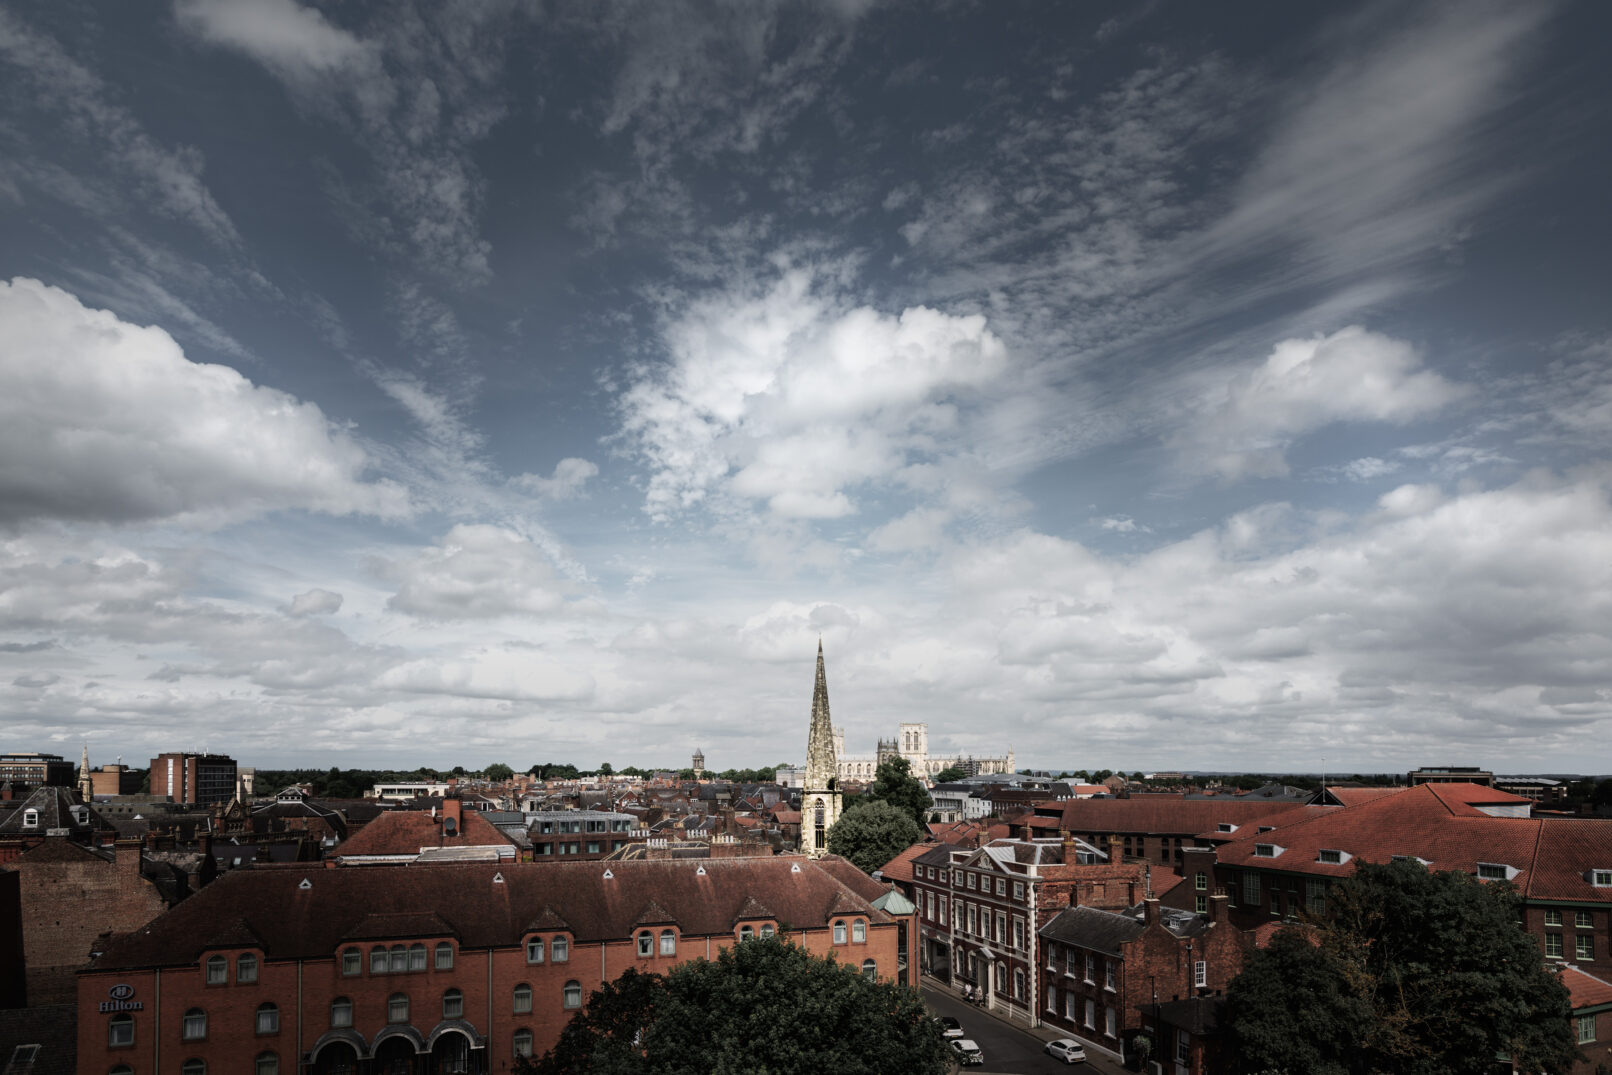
[
  {"x": 1267, "y": 851},
  {"x": 1601, "y": 878},
  {"x": 1225, "y": 826},
  {"x": 1332, "y": 856},
  {"x": 1495, "y": 871},
  {"x": 30, "y": 819},
  {"x": 1267, "y": 828}
]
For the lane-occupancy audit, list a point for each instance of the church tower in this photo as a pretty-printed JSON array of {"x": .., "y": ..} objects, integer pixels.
[{"x": 820, "y": 801}]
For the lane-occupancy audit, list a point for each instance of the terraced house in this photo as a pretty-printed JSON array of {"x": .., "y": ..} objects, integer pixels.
[{"x": 414, "y": 969}]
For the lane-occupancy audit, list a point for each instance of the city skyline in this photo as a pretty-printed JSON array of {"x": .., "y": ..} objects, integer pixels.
[{"x": 1187, "y": 389}]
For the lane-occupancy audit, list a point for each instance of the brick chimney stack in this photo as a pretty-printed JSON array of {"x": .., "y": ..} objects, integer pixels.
[{"x": 1150, "y": 910}]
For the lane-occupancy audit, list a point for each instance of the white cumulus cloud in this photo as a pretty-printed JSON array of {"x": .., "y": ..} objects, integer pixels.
[
  {"x": 1243, "y": 426},
  {"x": 478, "y": 571},
  {"x": 107, "y": 421}
]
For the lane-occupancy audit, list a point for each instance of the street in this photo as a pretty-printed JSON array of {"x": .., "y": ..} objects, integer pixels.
[{"x": 1007, "y": 1048}]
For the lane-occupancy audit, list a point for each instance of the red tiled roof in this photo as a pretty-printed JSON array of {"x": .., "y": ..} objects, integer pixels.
[
  {"x": 1151, "y": 815},
  {"x": 1585, "y": 989},
  {"x": 1439, "y": 824},
  {"x": 486, "y": 905},
  {"x": 900, "y": 867},
  {"x": 405, "y": 832},
  {"x": 1356, "y": 796}
]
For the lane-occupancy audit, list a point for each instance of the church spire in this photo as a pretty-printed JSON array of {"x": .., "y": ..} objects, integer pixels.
[
  {"x": 86, "y": 784},
  {"x": 821, "y": 764}
]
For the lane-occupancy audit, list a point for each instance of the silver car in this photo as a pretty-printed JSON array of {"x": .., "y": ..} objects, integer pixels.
[{"x": 1068, "y": 1050}]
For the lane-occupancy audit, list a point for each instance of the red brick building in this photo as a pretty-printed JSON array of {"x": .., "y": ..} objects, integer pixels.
[
  {"x": 400, "y": 836},
  {"x": 441, "y": 968},
  {"x": 1100, "y": 968},
  {"x": 980, "y": 909},
  {"x": 1561, "y": 866},
  {"x": 1151, "y": 828}
]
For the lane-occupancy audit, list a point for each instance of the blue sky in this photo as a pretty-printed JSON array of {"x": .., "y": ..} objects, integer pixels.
[{"x": 1136, "y": 385}]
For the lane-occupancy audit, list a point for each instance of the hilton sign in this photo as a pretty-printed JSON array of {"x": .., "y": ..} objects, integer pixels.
[{"x": 121, "y": 1001}]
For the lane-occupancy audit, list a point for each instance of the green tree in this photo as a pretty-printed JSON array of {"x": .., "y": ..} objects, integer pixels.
[
  {"x": 1417, "y": 972},
  {"x": 873, "y": 834},
  {"x": 894, "y": 783},
  {"x": 763, "y": 1006},
  {"x": 605, "y": 769},
  {"x": 498, "y": 772},
  {"x": 949, "y": 774}
]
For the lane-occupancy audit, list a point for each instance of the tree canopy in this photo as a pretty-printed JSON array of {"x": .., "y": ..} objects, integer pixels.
[
  {"x": 1416, "y": 972},
  {"x": 894, "y": 783},
  {"x": 873, "y": 834},
  {"x": 498, "y": 772},
  {"x": 763, "y": 1007},
  {"x": 950, "y": 774}
]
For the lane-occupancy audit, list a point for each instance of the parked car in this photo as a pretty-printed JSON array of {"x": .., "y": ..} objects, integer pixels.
[
  {"x": 967, "y": 1053},
  {"x": 1068, "y": 1050},
  {"x": 949, "y": 1027}
]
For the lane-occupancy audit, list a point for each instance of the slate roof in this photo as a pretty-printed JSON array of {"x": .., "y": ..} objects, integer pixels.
[
  {"x": 314, "y": 922},
  {"x": 1108, "y": 932},
  {"x": 1443, "y": 825},
  {"x": 55, "y": 807},
  {"x": 53, "y": 1027},
  {"x": 1198, "y": 1016}
]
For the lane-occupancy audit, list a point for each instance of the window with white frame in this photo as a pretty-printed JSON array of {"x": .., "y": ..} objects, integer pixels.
[
  {"x": 453, "y": 1004},
  {"x": 1183, "y": 1046},
  {"x": 1200, "y": 974},
  {"x": 1493, "y": 871},
  {"x": 668, "y": 942},
  {"x": 1069, "y": 1002},
  {"x": 1091, "y": 1014},
  {"x": 572, "y": 996},
  {"x": 839, "y": 933},
  {"x": 1584, "y": 947},
  {"x": 444, "y": 956},
  {"x": 1315, "y": 896},
  {"x": 1001, "y": 886},
  {"x": 1586, "y": 1029},
  {"x": 1091, "y": 970},
  {"x": 1018, "y": 984},
  {"x": 523, "y": 1043},
  {"x": 341, "y": 1012},
  {"x": 1553, "y": 945},
  {"x": 416, "y": 957},
  {"x": 397, "y": 1008},
  {"x": 859, "y": 931},
  {"x": 1553, "y": 916},
  {"x": 1070, "y": 962},
  {"x": 1108, "y": 973},
  {"x": 266, "y": 1064},
  {"x": 1583, "y": 920},
  {"x": 1251, "y": 896},
  {"x": 120, "y": 1030},
  {"x": 268, "y": 1019},
  {"x": 1108, "y": 1021},
  {"x": 1601, "y": 878},
  {"x": 217, "y": 970},
  {"x": 1018, "y": 890},
  {"x": 194, "y": 1026},
  {"x": 646, "y": 944},
  {"x": 1200, "y": 904},
  {"x": 535, "y": 948},
  {"x": 1001, "y": 928},
  {"x": 246, "y": 968},
  {"x": 1200, "y": 881},
  {"x": 352, "y": 962},
  {"x": 522, "y": 999}
]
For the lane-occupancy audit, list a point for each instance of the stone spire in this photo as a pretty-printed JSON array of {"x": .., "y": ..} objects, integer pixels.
[
  {"x": 822, "y": 767},
  {"x": 86, "y": 784}
]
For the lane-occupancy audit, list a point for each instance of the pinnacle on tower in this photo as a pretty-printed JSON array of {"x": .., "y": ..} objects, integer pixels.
[{"x": 821, "y": 765}]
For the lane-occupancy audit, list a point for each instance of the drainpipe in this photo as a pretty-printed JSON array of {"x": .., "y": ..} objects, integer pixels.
[{"x": 1033, "y": 943}]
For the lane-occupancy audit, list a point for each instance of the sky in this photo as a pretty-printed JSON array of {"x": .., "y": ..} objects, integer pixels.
[{"x": 1135, "y": 385}]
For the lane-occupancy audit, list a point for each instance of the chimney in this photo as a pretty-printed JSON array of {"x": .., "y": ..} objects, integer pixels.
[
  {"x": 127, "y": 854},
  {"x": 452, "y": 811},
  {"x": 1150, "y": 911},
  {"x": 1217, "y": 906},
  {"x": 1115, "y": 855}
]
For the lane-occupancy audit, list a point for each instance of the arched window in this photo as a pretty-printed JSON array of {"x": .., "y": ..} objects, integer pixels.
[
  {"x": 246, "y": 968},
  {"x": 444, "y": 956},
  {"x": 668, "y": 942},
  {"x": 534, "y": 950},
  {"x": 859, "y": 931},
  {"x": 341, "y": 1012},
  {"x": 267, "y": 1064},
  {"x": 745, "y": 933},
  {"x": 573, "y": 994},
  {"x": 561, "y": 949},
  {"x": 217, "y": 970},
  {"x": 646, "y": 943},
  {"x": 767, "y": 930},
  {"x": 523, "y": 1043},
  {"x": 352, "y": 961},
  {"x": 120, "y": 1030},
  {"x": 377, "y": 961},
  {"x": 193, "y": 1066},
  {"x": 121, "y": 1069},
  {"x": 453, "y": 1004},
  {"x": 870, "y": 969},
  {"x": 839, "y": 933},
  {"x": 523, "y": 999},
  {"x": 417, "y": 957},
  {"x": 397, "y": 1008},
  {"x": 194, "y": 1025},
  {"x": 400, "y": 959},
  {"x": 268, "y": 1019}
]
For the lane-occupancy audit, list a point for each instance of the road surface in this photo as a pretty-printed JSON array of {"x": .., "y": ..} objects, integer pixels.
[{"x": 1008, "y": 1049}]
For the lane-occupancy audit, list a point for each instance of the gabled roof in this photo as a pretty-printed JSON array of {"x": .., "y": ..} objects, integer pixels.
[
  {"x": 1585, "y": 989},
  {"x": 54, "y": 810},
  {"x": 653, "y": 914},
  {"x": 234, "y": 933},
  {"x": 315, "y": 922},
  {"x": 550, "y": 919},
  {"x": 1442, "y": 825},
  {"x": 900, "y": 867},
  {"x": 751, "y": 908},
  {"x": 407, "y": 832}
]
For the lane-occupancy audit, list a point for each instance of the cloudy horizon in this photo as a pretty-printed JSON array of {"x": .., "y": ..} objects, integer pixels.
[{"x": 1132, "y": 386}]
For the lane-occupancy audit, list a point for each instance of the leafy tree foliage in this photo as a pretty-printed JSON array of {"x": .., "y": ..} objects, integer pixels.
[
  {"x": 950, "y": 774},
  {"x": 763, "y": 1007},
  {"x": 498, "y": 772},
  {"x": 873, "y": 834},
  {"x": 555, "y": 771},
  {"x": 894, "y": 783},
  {"x": 1415, "y": 972}
]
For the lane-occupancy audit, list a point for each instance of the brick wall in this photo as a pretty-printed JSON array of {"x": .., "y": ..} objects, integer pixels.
[{"x": 69, "y": 901}]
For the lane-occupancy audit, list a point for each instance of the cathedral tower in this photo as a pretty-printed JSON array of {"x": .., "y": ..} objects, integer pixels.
[{"x": 820, "y": 800}]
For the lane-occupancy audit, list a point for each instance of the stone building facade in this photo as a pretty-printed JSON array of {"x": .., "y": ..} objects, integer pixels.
[{"x": 912, "y": 743}]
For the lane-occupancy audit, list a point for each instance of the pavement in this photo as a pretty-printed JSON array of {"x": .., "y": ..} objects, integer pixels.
[{"x": 1010, "y": 1047}]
